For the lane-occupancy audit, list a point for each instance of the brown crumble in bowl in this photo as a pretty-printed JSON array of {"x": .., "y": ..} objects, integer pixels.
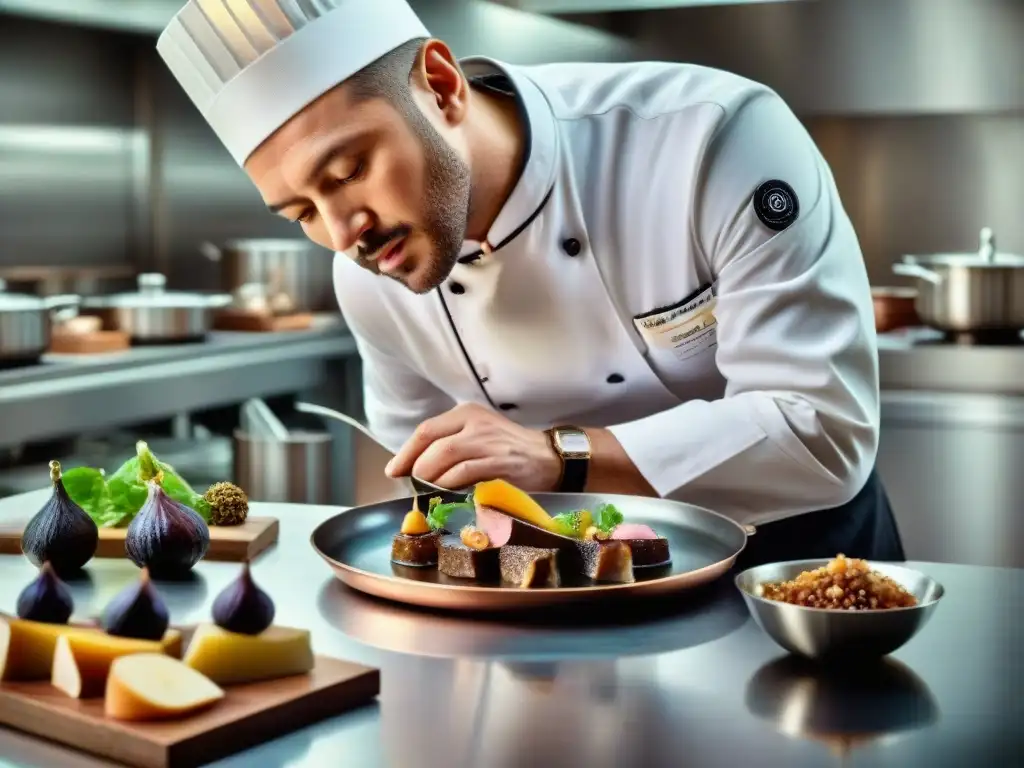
[{"x": 843, "y": 583}]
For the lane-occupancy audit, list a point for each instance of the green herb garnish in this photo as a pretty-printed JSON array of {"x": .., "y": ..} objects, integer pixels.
[
  {"x": 606, "y": 517},
  {"x": 570, "y": 523},
  {"x": 438, "y": 513}
]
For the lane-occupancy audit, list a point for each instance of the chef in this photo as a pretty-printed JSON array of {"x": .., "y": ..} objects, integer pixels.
[{"x": 634, "y": 278}]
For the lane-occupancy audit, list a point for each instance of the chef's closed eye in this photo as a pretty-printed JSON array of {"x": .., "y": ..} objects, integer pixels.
[{"x": 348, "y": 171}]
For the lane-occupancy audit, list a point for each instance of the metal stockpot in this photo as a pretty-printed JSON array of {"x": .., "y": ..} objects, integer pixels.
[
  {"x": 298, "y": 268},
  {"x": 969, "y": 292},
  {"x": 296, "y": 470},
  {"x": 154, "y": 314},
  {"x": 26, "y": 323}
]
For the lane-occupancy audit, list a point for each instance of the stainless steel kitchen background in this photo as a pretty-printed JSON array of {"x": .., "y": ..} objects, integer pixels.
[
  {"x": 917, "y": 104},
  {"x": 104, "y": 162}
]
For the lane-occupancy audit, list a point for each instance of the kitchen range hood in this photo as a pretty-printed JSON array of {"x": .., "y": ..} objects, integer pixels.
[{"x": 125, "y": 15}]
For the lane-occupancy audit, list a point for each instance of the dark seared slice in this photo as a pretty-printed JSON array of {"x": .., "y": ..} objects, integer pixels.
[
  {"x": 608, "y": 560},
  {"x": 457, "y": 560},
  {"x": 529, "y": 566},
  {"x": 418, "y": 549},
  {"x": 502, "y": 529},
  {"x": 648, "y": 552}
]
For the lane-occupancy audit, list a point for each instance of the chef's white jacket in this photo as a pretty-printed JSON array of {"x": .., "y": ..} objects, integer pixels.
[{"x": 634, "y": 286}]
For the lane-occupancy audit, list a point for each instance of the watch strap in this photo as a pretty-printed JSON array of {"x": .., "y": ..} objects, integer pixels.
[{"x": 574, "y": 475}]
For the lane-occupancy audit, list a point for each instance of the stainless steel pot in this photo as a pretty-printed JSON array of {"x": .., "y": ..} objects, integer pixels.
[
  {"x": 297, "y": 470},
  {"x": 299, "y": 268},
  {"x": 26, "y": 323},
  {"x": 154, "y": 314},
  {"x": 969, "y": 292}
]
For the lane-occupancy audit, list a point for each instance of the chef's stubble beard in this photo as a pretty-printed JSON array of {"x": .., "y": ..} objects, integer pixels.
[{"x": 447, "y": 201}]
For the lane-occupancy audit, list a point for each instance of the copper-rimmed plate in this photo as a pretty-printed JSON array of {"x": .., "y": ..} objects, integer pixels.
[{"x": 357, "y": 545}]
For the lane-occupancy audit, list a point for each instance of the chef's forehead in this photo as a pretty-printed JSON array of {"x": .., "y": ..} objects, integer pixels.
[{"x": 336, "y": 125}]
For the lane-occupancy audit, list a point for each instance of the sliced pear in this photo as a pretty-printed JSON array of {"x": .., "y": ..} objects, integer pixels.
[
  {"x": 154, "y": 686},
  {"x": 81, "y": 664}
]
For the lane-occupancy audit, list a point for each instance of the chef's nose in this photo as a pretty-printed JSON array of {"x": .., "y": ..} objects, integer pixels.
[{"x": 346, "y": 228}]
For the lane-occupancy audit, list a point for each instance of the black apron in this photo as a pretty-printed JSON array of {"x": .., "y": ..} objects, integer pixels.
[{"x": 864, "y": 527}]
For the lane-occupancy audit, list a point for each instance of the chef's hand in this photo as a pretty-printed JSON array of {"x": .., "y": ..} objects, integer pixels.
[{"x": 470, "y": 444}]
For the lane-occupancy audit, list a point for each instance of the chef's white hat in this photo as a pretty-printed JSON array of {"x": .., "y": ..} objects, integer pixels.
[{"x": 251, "y": 65}]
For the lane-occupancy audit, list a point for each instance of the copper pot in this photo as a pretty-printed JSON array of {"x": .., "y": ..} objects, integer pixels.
[{"x": 894, "y": 308}]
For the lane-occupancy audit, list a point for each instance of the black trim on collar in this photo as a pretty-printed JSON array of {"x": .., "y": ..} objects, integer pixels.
[
  {"x": 469, "y": 257},
  {"x": 472, "y": 257}
]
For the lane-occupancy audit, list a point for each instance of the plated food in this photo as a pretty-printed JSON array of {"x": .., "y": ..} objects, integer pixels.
[
  {"x": 499, "y": 535},
  {"x": 843, "y": 584},
  {"x": 135, "y": 661},
  {"x": 166, "y": 524}
]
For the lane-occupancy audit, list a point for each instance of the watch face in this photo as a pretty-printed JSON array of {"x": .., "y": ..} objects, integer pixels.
[{"x": 572, "y": 441}]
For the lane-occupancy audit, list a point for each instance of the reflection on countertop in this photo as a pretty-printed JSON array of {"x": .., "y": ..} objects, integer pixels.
[{"x": 844, "y": 708}]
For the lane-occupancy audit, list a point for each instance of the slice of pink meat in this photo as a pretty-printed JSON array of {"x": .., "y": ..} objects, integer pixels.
[
  {"x": 633, "y": 531},
  {"x": 497, "y": 525}
]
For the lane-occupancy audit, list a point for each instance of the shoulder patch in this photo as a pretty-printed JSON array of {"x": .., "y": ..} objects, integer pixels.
[{"x": 776, "y": 204}]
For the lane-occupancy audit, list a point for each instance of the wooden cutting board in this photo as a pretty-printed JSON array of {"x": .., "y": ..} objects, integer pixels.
[
  {"x": 245, "y": 320},
  {"x": 228, "y": 543},
  {"x": 248, "y": 716}
]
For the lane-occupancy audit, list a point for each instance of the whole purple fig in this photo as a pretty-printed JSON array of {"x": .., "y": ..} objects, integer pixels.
[
  {"x": 45, "y": 599},
  {"x": 60, "y": 533},
  {"x": 166, "y": 537},
  {"x": 137, "y": 611},
  {"x": 242, "y": 607}
]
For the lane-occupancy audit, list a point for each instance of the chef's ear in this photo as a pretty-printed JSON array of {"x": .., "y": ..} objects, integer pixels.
[{"x": 438, "y": 72}]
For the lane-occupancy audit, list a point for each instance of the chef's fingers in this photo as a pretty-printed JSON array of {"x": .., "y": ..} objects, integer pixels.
[
  {"x": 436, "y": 428},
  {"x": 443, "y": 454},
  {"x": 468, "y": 473}
]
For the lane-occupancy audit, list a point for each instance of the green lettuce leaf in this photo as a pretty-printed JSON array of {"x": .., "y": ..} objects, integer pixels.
[
  {"x": 114, "y": 501},
  {"x": 88, "y": 488}
]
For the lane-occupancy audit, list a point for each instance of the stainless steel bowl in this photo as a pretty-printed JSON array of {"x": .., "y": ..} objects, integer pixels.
[{"x": 830, "y": 635}]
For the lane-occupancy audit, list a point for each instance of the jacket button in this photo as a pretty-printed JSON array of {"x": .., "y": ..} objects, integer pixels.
[
  {"x": 572, "y": 246},
  {"x": 616, "y": 378},
  {"x": 508, "y": 406},
  {"x": 456, "y": 288}
]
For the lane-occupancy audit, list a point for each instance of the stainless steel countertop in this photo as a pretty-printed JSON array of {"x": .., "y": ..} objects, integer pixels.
[
  {"x": 914, "y": 359},
  {"x": 69, "y": 394},
  {"x": 694, "y": 683}
]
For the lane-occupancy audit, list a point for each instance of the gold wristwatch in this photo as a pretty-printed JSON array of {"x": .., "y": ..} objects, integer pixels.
[{"x": 573, "y": 446}]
